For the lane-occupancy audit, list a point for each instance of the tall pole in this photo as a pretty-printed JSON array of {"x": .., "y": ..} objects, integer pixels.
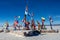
[
  {"x": 50, "y": 19},
  {"x": 39, "y": 27},
  {"x": 26, "y": 10},
  {"x": 25, "y": 15},
  {"x": 16, "y": 21},
  {"x": 33, "y": 26},
  {"x": 43, "y": 20}
]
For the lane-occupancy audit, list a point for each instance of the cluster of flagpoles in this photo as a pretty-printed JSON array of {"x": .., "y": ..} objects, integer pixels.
[{"x": 32, "y": 20}]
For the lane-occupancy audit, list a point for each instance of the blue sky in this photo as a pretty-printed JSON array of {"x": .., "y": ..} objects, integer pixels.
[{"x": 41, "y": 8}]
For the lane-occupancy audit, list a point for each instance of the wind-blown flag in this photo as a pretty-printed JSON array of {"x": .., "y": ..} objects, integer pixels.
[
  {"x": 42, "y": 18},
  {"x": 31, "y": 14},
  {"x": 26, "y": 10},
  {"x": 26, "y": 13},
  {"x": 16, "y": 16},
  {"x": 16, "y": 22},
  {"x": 50, "y": 18}
]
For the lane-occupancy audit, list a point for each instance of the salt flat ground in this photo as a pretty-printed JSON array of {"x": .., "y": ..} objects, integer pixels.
[{"x": 46, "y": 36}]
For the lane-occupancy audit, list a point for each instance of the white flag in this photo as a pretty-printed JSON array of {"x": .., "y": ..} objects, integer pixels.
[{"x": 26, "y": 13}]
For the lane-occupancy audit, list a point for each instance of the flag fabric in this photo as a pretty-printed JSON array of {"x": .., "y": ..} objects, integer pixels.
[
  {"x": 26, "y": 10},
  {"x": 29, "y": 14},
  {"x": 16, "y": 22},
  {"x": 18, "y": 16},
  {"x": 26, "y": 13},
  {"x": 42, "y": 18},
  {"x": 50, "y": 19}
]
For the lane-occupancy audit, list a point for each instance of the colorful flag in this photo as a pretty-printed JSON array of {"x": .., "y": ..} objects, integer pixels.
[{"x": 16, "y": 22}]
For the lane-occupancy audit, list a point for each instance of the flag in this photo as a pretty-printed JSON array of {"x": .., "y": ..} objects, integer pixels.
[
  {"x": 50, "y": 18},
  {"x": 29, "y": 14},
  {"x": 16, "y": 22},
  {"x": 26, "y": 13},
  {"x": 18, "y": 16},
  {"x": 42, "y": 18},
  {"x": 15, "y": 16},
  {"x": 26, "y": 10}
]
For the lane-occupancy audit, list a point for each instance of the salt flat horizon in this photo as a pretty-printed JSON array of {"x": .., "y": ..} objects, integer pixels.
[{"x": 48, "y": 27}]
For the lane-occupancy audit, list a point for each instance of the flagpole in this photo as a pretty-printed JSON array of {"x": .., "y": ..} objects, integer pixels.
[{"x": 50, "y": 19}]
